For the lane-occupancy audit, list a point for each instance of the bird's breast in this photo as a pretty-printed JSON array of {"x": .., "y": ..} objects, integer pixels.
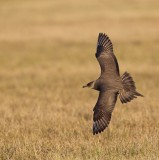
[{"x": 103, "y": 84}]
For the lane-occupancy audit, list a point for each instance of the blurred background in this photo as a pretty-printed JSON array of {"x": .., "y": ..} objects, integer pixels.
[{"x": 47, "y": 53}]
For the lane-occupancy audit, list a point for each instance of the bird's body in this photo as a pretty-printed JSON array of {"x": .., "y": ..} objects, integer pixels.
[
  {"x": 104, "y": 83},
  {"x": 110, "y": 84}
]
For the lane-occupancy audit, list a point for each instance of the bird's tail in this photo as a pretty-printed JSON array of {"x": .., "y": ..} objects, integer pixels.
[{"x": 128, "y": 92}]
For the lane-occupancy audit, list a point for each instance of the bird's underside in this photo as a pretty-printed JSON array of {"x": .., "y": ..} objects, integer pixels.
[{"x": 109, "y": 85}]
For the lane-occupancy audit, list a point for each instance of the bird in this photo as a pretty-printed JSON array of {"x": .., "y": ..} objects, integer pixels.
[{"x": 109, "y": 84}]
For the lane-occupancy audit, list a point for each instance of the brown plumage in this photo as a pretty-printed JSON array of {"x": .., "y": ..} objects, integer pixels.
[{"x": 109, "y": 85}]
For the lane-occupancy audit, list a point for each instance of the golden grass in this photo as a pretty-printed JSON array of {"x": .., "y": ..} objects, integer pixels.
[{"x": 46, "y": 55}]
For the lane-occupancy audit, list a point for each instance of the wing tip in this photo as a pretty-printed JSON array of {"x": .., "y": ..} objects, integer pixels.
[
  {"x": 104, "y": 43},
  {"x": 103, "y": 39},
  {"x": 99, "y": 126}
]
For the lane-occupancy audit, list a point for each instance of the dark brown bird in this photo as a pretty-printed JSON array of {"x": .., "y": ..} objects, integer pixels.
[{"x": 110, "y": 84}]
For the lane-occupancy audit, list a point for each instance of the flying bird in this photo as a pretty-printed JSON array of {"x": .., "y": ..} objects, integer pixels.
[{"x": 109, "y": 84}]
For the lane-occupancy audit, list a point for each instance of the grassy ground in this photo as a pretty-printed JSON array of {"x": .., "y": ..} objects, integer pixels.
[{"x": 47, "y": 53}]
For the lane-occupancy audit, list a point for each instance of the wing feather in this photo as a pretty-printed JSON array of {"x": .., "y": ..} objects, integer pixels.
[
  {"x": 105, "y": 56},
  {"x": 103, "y": 110}
]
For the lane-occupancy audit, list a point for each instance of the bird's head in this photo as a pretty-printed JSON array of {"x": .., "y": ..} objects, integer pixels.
[{"x": 89, "y": 85}]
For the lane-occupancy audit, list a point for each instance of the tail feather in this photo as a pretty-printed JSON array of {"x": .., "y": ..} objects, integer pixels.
[{"x": 128, "y": 92}]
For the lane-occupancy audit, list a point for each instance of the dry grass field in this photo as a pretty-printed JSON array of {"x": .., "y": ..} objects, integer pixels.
[{"x": 47, "y": 52}]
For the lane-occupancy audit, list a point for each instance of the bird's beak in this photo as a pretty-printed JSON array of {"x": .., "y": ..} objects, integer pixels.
[{"x": 84, "y": 86}]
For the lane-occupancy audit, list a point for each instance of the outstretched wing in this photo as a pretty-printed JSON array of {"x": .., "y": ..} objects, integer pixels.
[
  {"x": 103, "y": 110},
  {"x": 106, "y": 57}
]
